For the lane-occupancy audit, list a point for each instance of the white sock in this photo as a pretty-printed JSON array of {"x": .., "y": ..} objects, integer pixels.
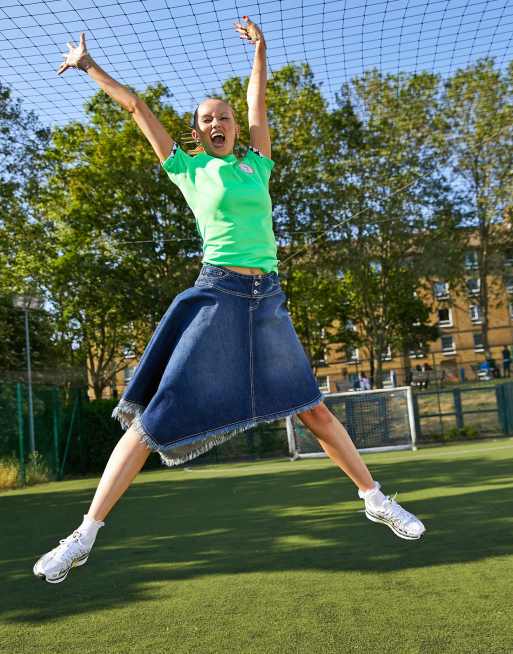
[
  {"x": 89, "y": 528},
  {"x": 374, "y": 496}
]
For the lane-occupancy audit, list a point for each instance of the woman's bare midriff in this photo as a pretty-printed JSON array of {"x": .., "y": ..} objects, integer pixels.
[{"x": 246, "y": 271}]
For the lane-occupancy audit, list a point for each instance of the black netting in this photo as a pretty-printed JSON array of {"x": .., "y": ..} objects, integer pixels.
[
  {"x": 191, "y": 47},
  {"x": 378, "y": 419}
]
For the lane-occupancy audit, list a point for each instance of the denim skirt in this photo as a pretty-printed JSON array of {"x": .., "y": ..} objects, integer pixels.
[{"x": 224, "y": 357}]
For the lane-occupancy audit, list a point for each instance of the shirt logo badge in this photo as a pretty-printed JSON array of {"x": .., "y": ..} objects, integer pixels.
[{"x": 246, "y": 168}]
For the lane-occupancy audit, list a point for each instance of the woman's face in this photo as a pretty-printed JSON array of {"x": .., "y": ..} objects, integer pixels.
[{"x": 216, "y": 128}]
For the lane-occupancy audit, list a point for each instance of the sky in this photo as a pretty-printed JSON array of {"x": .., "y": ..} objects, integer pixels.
[{"x": 191, "y": 46}]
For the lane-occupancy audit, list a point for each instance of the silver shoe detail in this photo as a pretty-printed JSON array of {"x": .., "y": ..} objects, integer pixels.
[{"x": 55, "y": 565}]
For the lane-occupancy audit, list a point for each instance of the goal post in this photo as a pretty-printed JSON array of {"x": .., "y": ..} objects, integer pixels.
[{"x": 377, "y": 421}]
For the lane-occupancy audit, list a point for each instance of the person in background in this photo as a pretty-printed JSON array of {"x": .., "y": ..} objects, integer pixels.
[
  {"x": 485, "y": 369},
  {"x": 427, "y": 369},
  {"x": 492, "y": 365},
  {"x": 506, "y": 361},
  {"x": 364, "y": 382}
]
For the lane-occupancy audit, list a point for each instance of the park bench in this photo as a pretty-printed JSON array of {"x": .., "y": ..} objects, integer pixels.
[{"x": 423, "y": 378}]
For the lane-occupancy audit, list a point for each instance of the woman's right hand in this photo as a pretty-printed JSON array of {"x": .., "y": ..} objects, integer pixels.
[
  {"x": 151, "y": 127},
  {"x": 77, "y": 57}
]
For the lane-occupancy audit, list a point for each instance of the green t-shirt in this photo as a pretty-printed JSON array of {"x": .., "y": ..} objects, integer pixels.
[{"x": 231, "y": 203}]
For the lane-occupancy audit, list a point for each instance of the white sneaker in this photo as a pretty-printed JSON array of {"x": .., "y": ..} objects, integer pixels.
[
  {"x": 55, "y": 565},
  {"x": 403, "y": 523}
]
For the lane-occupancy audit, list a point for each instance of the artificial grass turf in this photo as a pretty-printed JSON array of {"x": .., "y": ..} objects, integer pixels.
[{"x": 271, "y": 557}]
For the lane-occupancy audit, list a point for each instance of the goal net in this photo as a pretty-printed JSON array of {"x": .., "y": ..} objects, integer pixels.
[{"x": 376, "y": 421}]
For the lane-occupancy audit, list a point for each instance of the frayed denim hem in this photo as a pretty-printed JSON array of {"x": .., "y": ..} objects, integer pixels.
[{"x": 129, "y": 414}]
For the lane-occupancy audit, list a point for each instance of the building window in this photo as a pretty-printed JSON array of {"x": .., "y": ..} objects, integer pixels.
[
  {"x": 323, "y": 383},
  {"x": 508, "y": 282},
  {"x": 475, "y": 313},
  {"x": 471, "y": 259},
  {"x": 387, "y": 354},
  {"x": 448, "y": 345},
  {"x": 478, "y": 341},
  {"x": 441, "y": 290},
  {"x": 352, "y": 354},
  {"x": 128, "y": 373},
  {"x": 418, "y": 354},
  {"x": 511, "y": 310},
  {"x": 445, "y": 317},
  {"x": 508, "y": 258},
  {"x": 473, "y": 285}
]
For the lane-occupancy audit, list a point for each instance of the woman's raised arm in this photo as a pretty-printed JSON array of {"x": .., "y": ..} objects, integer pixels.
[
  {"x": 151, "y": 127},
  {"x": 259, "y": 136}
]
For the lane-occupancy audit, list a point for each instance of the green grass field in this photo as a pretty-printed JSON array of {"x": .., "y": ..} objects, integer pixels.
[{"x": 271, "y": 557}]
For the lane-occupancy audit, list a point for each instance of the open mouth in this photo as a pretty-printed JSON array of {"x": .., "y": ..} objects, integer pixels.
[{"x": 218, "y": 139}]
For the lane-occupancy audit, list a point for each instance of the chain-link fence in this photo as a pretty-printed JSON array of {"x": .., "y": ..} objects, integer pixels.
[
  {"x": 73, "y": 435},
  {"x": 49, "y": 425}
]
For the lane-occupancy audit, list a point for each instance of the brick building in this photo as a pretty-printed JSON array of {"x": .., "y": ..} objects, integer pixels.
[{"x": 458, "y": 353}]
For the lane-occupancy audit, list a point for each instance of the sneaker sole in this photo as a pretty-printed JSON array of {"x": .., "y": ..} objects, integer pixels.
[
  {"x": 58, "y": 580},
  {"x": 374, "y": 518}
]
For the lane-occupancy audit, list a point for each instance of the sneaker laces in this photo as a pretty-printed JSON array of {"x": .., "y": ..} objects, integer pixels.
[
  {"x": 67, "y": 554},
  {"x": 394, "y": 511}
]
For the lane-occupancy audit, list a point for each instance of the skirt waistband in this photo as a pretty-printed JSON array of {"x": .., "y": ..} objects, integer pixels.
[{"x": 254, "y": 286}]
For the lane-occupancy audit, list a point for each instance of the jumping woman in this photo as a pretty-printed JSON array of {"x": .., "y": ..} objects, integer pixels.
[{"x": 225, "y": 355}]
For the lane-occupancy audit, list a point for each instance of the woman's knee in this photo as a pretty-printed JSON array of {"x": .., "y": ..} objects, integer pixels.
[{"x": 320, "y": 416}]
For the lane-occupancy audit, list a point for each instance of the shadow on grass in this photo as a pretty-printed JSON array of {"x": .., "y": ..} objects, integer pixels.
[{"x": 297, "y": 520}]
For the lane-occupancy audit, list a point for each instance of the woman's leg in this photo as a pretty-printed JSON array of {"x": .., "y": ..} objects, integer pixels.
[
  {"x": 126, "y": 460},
  {"x": 337, "y": 444}
]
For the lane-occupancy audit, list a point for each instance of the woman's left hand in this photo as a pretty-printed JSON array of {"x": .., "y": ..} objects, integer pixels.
[{"x": 251, "y": 32}]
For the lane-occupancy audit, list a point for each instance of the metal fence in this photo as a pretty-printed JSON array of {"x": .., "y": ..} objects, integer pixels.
[
  {"x": 487, "y": 409},
  {"x": 56, "y": 420},
  {"x": 76, "y": 435},
  {"x": 73, "y": 434}
]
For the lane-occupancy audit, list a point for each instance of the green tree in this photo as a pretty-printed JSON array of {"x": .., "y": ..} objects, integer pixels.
[
  {"x": 478, "y": 124},
  {"x": 21, "y": 141},
  {"x": 120, "y": 242},
  {"x": 393, "y": 221}
]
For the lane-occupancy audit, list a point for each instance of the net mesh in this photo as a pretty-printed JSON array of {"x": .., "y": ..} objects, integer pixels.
[
  {"x": 190, "y": 46},
  {"x": 372, "y": 419}
]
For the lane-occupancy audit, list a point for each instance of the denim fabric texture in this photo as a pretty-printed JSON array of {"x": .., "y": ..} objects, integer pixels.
[{"x": 224, "y": 357}]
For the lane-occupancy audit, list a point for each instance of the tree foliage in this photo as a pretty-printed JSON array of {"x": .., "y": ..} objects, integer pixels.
[
  {"x": 369, "y": 200},
  {"x": 390, "y": 207},
  {"x": 478, "y": 128},
  {"x": 22, "y": 140}
]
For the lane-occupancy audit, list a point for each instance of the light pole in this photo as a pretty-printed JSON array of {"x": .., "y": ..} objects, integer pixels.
[{"x": 28, "y": 303}]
